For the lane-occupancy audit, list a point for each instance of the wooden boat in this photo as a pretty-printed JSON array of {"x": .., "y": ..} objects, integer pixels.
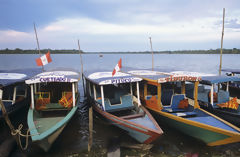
[
  {"x": 218, "y": 101},
  {"x": 54, "y": 100},
  {"x": 117, "y": 100},
  {"x": 13, "y": 91},
  {"x": 234, "y": 86},
  {"x": 172, "y": 107}
]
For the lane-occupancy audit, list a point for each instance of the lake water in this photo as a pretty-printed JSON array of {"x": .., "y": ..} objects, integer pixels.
[{"x": 74, "y": 139}]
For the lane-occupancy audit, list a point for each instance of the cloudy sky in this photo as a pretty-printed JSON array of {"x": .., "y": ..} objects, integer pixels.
[{"x": 119, "y": 25}]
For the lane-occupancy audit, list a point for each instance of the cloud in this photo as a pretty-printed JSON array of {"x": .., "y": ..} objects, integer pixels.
[{"x": 100, "y": 35}]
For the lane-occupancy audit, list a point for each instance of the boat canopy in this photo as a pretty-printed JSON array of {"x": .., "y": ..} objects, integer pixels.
[
  {"x": 55, "y": 76},
  {"x": 218, "y": 79},
  {"x": 106, "y": 78},
  {"x": 163, "y": 77},
  {"x": 235, "y": 71},
  {"x": 8, "y": 77}
]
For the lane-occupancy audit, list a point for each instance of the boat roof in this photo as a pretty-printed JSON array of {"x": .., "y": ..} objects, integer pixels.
[
  {"x": 9, "y": 77},
  {"x": 55, "y": 76},
  {"x": 236, "y": 71},
  {"x": 106, "y": 78},
  {"x": 218, "y": 79},
  {"x": 163, "y": 77}
]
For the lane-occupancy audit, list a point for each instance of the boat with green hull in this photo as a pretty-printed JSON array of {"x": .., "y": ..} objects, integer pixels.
[
  {"x": 54, "y": 101},
  {"x": 161, "y": 94}
]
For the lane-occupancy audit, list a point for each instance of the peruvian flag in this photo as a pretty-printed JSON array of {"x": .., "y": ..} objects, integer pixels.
[
  {"x": 43, "y": 60},
  {"x": 117, "y": 67}
]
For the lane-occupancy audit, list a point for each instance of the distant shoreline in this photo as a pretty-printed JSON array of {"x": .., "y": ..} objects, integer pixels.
[{"x": 211, "y": 51}]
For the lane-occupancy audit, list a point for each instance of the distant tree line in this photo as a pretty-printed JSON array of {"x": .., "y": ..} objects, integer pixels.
[{"x": 73, "y": 51}]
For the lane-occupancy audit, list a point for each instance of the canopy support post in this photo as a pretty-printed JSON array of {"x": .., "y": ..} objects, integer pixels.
[
  {"x": 159, "y": 94},
  {"x": 211, "y": 96},
  {"x": 94, "y": 92},
  {"x": 183, "y": 87},
  {"x": 138, "y": 95},
  {"x": 73, "y": 94},
  {"x": 14, "y": 94},
  {"x": 102, "y": 95},
  {"x": 131, "y": 91},
  {"x": 196, "y": 105},
  {"x": 32, "y": 96},
  {"x": 227, "y": 88}
]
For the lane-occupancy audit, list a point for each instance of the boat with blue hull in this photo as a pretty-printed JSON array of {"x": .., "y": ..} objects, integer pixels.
[
  {"x": 116, "y": 99},
  {"x": 13, "y": 91},
  {"x": 170, "y": 104},
  {"x": 54, "y": 101}
]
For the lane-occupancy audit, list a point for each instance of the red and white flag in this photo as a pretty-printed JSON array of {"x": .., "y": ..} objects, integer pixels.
[
  {"x": 117, "y": 67},
  {"x": 43, "y": 60}
]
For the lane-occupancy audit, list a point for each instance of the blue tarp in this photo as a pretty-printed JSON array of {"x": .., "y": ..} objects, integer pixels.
[{"x": 218, "y": 79}]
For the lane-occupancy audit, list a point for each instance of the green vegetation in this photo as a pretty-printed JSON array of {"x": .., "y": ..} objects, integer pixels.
[{"x": 73, "y": 51}]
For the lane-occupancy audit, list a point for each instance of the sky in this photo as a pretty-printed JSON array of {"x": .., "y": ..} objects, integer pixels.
[{"x": 119, "y": 25}]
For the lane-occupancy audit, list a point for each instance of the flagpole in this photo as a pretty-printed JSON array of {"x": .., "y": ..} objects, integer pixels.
[
  {"x": 152, "y": 52},
  {"x": 37, "y": 43}
]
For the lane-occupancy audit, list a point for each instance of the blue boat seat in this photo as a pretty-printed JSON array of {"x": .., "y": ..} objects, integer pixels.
[
  {"x": 223, "y": 96},
  {"x": 185, "y": 114},
  {"x": 203, "y": 96},
  {"x": 174, "y": 104},
  {"x": 126, "y": 103}
]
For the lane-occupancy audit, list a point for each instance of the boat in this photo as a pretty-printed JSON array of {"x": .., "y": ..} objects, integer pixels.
[
  {"x": 214, "y": 96},
  {"x": 234, "y": 86},
  {"x": 13, "y": 91},
  {"x": 164, "y": 94},
  {"x": 116, "y": 99},
  {"x": 54, "y": 101}
]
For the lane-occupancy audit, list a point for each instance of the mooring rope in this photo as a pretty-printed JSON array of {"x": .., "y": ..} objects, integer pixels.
[{"x": 19, "y": 133}]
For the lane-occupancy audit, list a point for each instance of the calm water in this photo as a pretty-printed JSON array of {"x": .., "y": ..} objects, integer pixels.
[{"x": 73, "y": 141}]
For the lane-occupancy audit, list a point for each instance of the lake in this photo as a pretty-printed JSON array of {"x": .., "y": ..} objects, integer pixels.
[{"x": 74, "y": 139}]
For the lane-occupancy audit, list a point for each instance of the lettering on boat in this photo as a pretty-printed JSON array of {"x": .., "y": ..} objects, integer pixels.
[
  {"x": 179, "y": 78},
  {"x": 54, "y": 79},
  {"x": 122, "y": 80}
]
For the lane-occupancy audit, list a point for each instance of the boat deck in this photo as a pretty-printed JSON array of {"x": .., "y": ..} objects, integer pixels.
[
  {"x": 43, "y": 124},
  {"x": 144, "y": 121},
  {"x": 209, "y": 120}
]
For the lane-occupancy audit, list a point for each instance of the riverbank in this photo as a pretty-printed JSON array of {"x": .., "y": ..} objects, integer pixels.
[{"x": 73, "y": 51}]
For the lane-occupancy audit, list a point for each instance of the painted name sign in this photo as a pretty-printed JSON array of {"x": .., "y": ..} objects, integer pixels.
[
  {"x": 179, "y": 78},
  {"x": 54, "y": 79},
  {"x": 120, "y": 80}
]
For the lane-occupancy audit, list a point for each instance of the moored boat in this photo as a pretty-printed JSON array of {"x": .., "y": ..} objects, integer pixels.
[
  {"x": 216, "y": 99},
  {"x": 13, "y": 91},
  {"x": 116, "y": 99},
  {"x": 54, "y": 101},
  {"x": 171, "y": 106},
  {"x": 234, "y": 86}
]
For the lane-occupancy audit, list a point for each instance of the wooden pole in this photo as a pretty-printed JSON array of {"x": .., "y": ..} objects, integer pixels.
[
  {"x": 80, "y": 56},
  {"x": 152, "y": 52},
  {"x": 5, "y": 116},
  {"x": 90, "y": 139},
  {"x": 220, "y": 66},
  {"x": 37, "y": 43}
]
